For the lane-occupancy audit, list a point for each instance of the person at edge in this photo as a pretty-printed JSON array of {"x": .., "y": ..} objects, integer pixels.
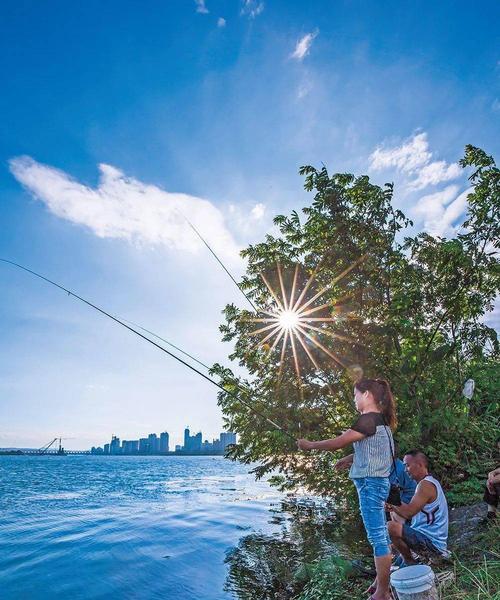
[
  {"x": 371, "y": 436},
  {"x": 427, "y": 535}
]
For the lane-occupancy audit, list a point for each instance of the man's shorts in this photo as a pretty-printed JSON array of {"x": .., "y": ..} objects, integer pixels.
[{"x": 419, "y": 542}]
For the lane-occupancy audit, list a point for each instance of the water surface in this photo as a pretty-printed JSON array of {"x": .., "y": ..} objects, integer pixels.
[{"x": 91, "y": 527}]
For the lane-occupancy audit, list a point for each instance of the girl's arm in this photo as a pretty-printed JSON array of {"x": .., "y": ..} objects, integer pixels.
[{"x": 346, "y": 438}]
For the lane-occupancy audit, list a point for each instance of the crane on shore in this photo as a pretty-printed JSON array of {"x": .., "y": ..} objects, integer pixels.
[{"x": 60, "y": 450}]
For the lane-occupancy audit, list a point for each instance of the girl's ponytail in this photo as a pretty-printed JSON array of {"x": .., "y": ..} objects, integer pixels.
[{"x": 381, "y": 391}]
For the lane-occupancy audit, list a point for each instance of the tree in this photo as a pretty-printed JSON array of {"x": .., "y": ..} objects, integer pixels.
[{"x": 411, "y": 310}]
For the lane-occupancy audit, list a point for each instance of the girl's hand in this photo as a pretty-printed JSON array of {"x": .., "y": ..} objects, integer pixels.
[{"x": 305, "y": 444}]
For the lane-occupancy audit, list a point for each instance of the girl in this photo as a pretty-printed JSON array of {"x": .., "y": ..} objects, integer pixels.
[{"x": 371, "y": 436}]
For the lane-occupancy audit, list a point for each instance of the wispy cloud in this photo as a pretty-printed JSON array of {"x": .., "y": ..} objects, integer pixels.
[
  {"x": 252, "y": 8},
  {"x": 413, "y": 158},
  {"x": 221, "y": 22},
  {"x": 440, "y": 211},
  {"x": 303, "y": 46},
  {"x": 200, "y": 7},
  {"x": 122, "y": 207},
  {"x": 258, "y": 211}
]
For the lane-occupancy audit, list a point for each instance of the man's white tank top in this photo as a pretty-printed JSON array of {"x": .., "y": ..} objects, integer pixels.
[{"x": 432, "y": 520}]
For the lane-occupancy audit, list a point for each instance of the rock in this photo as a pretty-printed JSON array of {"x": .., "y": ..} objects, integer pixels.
[{"x": 464, "y": 524}]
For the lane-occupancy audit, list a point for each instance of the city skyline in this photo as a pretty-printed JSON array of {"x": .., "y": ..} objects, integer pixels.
[{"x": 159, "y": 444}]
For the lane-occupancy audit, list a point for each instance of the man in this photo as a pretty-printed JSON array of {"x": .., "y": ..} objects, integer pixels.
[
  {"x": 428, "y": 510},
  {"x": 492, "y": 492}
]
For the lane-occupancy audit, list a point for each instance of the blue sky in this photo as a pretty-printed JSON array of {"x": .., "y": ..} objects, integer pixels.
[{"x": 205, "y": 108}]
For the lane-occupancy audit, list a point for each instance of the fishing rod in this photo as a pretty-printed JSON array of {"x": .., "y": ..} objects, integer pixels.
[
  {"x": 196, "y": 360},
  {"x": 138, "y": 333},
  {"x": 219, "y": 261}
]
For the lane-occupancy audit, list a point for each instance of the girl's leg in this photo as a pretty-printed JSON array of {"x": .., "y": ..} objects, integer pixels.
[{"x": 372, "y": 492}]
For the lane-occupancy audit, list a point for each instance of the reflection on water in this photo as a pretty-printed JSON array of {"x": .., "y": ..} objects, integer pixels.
[{"x": 264, "y": 567}]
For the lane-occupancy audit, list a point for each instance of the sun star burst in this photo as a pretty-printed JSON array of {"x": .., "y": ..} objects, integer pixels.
[{"x": 296, "y": 320}]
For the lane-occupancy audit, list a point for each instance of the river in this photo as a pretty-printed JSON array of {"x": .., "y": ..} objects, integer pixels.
[{"x": 91, "y": 527}]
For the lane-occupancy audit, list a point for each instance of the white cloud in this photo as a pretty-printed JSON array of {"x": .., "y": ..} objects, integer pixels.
[
  {"x": 439, "y": 211},
  {"x": 221, "y": 22},
  {"x": 252, "y": 8},
  {"x": 413, "y": 158},
  {"x": 304, "y": 45},
  {"x": 201, "y": 8},
  {"x": 258, "y": 211},
  {"x": 122, "y": 207},
  {"x": 436, "y": 172},
  {"x": 408, "y": 157}
]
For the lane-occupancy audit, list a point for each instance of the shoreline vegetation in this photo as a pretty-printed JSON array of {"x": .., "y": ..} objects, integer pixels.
[{"x": 388, "y": 302}]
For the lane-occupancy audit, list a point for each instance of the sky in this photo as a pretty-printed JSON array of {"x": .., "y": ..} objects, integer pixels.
[{"x": 121, "y": 119}]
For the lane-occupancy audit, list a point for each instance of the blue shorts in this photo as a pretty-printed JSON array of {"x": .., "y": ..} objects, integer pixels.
[
  {"x": 372, "y": 492},
  {"x": 419, "y": 542}
]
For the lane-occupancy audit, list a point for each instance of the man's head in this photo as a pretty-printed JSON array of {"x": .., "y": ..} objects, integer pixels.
[{"x": 417, "y": 464}]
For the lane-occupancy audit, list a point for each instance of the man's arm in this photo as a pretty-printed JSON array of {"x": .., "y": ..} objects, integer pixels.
[
  {"x": 424, "y": 494},
  {"x": 346, "y": 438}
]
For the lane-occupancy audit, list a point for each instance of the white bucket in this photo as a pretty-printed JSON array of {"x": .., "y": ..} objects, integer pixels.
[{"x": 417, "y": 581}]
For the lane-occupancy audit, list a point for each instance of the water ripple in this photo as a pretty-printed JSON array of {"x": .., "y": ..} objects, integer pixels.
[{"x": 85, "y": 527}]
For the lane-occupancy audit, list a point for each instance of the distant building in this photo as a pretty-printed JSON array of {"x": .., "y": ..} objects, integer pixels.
[
  {"x": 227, "y": 438},
  {"x": 178, "y": 447},
  {"x": 106, "y": 448},
  {"x": 98, "y": 450},
  {"x": 114, "y": 447},
  {"x": 154, "y": 443},
  {"x": 192, "y": 443},
  {"x": 144, "y": 446},
  {"x": 164, "y": 442},
  {"x": 130, "y": 447}
]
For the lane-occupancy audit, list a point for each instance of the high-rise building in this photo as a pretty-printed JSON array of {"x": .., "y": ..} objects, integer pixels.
[
  {"x": 187, "y": 439},
  {"x": 144, "y": 446},
  {"x": 106, "y": 448},
  {"x": 164, "y": 442},
  {"x": 154, "y": 443},
  {"x": 196, "y": 442},
  {"x": 130, "y": 446},
  {"x": 114, "y": 447},
  {"x": 226, "y": 439}
]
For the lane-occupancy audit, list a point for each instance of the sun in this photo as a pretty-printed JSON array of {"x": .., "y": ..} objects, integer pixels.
[
  {"x": 288, "y": 319},
  {"x": 294, "y": 319}
]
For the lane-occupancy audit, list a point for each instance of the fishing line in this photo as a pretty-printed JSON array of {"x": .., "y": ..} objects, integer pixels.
[
  {"x": 196, "y": 360},
  {"x": 171, "y": 354},
  {"x": 218, "y": 259}
]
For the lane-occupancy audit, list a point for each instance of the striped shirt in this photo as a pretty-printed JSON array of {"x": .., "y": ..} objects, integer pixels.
[{"x": 373, "y": 454}]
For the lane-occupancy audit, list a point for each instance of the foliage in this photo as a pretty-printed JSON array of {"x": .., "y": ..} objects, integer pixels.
[{"x": 412, "y": 311}]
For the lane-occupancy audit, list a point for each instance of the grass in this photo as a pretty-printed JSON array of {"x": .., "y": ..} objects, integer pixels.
[{"x": 477, "y": 570}]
